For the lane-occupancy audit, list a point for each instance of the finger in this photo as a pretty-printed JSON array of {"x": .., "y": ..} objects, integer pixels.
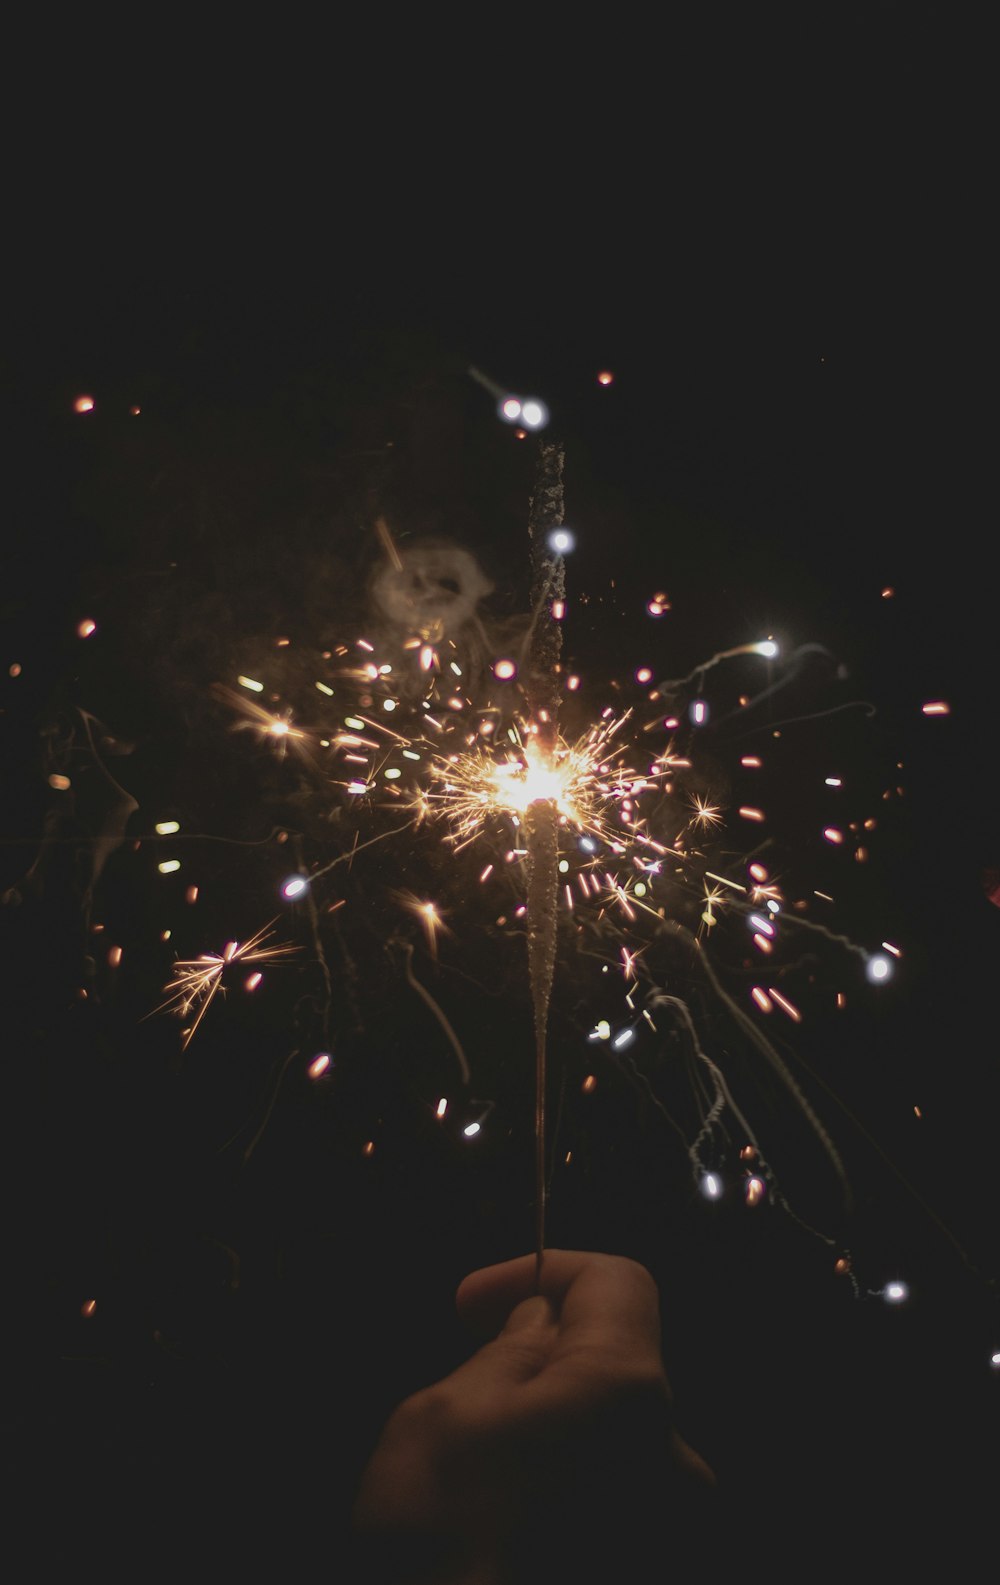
[
  {"x": 516, "y": 1355},
  {"x": 613, "y": 1286},
  {"x": 486, "y": 1298},
  {"x": 588, "y": 1355},
  {"x": 690, "y": 1464},
  {"x": 603, "y": 1301}
]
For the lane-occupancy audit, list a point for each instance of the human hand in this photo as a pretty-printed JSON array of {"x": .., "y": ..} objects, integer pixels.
[{"x": 551, "y": 1453}]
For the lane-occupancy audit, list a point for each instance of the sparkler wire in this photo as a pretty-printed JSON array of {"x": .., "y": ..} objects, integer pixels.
[{"x": 542, "y": 690}]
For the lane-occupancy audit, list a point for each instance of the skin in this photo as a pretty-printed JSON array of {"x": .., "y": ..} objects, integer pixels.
[{"x": 550, "y": 1452}]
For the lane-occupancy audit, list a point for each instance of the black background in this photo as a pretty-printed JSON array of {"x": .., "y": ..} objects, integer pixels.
[{"x": 772, "y": 229}]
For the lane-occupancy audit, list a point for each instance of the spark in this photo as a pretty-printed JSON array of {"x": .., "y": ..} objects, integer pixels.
[
  {"x": 197, "y": 981},
  {"x": 895, "y": 1292},
  {"x": 255, "y": 718},
  {"x": 705, "y": 814},
  {"x": 629, "y": 960},
  {"x": 429, "y": 915},
  {"x": 879, "y": 968},
  {"x": 786, "y": 1006}
]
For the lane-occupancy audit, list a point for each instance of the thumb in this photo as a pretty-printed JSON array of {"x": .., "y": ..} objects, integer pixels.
[
  {"x": 517, "y": 1353},
  {"x": 530, "y": 1313}
]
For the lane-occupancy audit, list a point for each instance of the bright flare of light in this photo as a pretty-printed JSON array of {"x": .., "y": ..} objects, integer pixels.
[
  {"x": 878, "y": 969},
  {"x": 562, "y": 541},
  {"x": 534, "y": 413},
  {"x": 895, "y": 1292},
  {"x": 294, "y": 886},
  {"x": 586, "y": 781},
  {"x": 711, "y": 1186}
]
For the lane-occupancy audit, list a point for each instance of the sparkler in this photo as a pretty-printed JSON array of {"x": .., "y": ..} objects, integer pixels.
[
  {"x": 423, "y": 736},
  {"x": 439, "y": 720},
  {"x": 447, "y": 759},
  {"x": 430, "y": 723},
  {"x": 548, "y": 588}
]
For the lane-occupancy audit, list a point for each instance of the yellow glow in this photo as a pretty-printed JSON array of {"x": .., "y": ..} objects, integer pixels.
[{"x": 592, "y": 790}]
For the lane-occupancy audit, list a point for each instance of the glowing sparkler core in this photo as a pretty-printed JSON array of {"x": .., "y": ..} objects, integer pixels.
[
  {"x": 538, "y": 778},
  {"x": 582, "y": 780}
]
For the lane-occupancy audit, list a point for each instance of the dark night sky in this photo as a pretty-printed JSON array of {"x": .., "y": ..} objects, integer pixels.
[{"x": 773, "y": 232}]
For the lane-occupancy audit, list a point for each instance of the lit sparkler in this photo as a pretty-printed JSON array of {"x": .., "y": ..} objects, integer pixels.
[
  {"x": 625, "y": 836},
  {"x": 549, "y": 541},
  {"x": 598, "y": 829}
]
